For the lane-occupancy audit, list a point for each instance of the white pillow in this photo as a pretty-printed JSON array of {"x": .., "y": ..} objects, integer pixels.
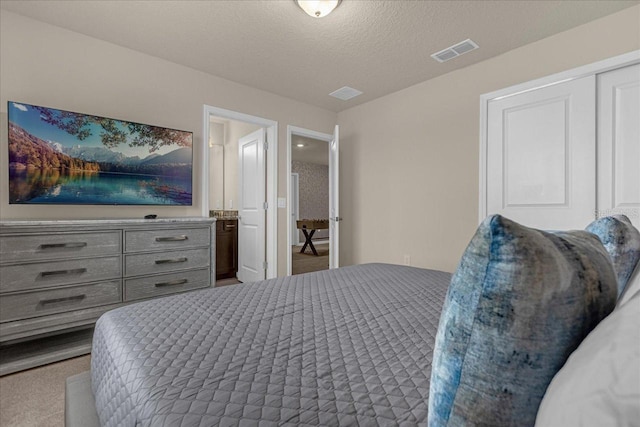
[
  {"x": 632, "y": 288},
  {"x": 599, "y": 385}
]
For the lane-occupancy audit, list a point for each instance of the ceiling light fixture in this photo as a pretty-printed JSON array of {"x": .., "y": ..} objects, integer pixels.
[
  {"x": 300, "y": 145},
  {"x": 318, "y": 8}
]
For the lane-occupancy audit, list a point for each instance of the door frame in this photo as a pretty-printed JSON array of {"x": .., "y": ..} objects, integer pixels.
[
  {"x": 295, "y": 240},
  {"x": 271, "y": 159},
  {"x": 294, "y": 130},
  {"x": 605, "y": 65}
]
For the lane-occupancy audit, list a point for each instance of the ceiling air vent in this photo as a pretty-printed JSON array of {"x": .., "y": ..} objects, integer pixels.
[
  {"x": 345, "y": 93},
  {"x": 456, "y": 50}
]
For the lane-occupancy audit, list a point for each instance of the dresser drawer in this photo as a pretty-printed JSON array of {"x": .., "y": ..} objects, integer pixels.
[
  {"x": 164, "y": 284},
  {"x": 138, "y": 241},
  {"x": 54, "y": 273},
  {"x": 58, "y": 245},
  {"x": 163, "y": 262},
  {"x": 26, "y": 305}
]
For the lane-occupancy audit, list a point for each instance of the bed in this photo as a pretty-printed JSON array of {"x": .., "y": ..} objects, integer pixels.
[
  {"x": 532, "y": 329},
  {"x": 351, "y": 346}
]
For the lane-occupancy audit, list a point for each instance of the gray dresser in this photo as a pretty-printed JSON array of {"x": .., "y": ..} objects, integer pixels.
[{"x": 58, "y": 277}]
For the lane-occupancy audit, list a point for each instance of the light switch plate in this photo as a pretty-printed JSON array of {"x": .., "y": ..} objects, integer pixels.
[{"x": 282, "y": 202}]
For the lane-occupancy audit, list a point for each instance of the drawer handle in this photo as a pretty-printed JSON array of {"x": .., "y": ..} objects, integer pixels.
[
  {"x": 229, "y": 226},
  {"x": 63, "y": 272},
  {"x": 74, "y": 245},
  {"x": 170, "y": 261},
  {"x": 172, "y": 239},
  {"x": 74, "y": 298},
  {"x": 173, "y": 283}
]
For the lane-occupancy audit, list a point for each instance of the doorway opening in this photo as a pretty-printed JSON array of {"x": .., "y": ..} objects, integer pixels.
[
  {"x": 240, "y": 142},
  {"x": 311, "y": 231}
]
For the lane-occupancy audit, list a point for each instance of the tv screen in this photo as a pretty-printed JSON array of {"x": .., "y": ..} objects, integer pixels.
[{"x": 62, "y": 157}]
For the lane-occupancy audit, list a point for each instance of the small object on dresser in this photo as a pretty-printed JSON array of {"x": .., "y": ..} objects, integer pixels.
[{"x": 151, "y": 216}]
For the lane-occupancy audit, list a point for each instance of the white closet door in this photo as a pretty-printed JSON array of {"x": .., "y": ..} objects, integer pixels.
[
  {"x": 619, "y": 143},
  {"x": 541, "y": 148}
]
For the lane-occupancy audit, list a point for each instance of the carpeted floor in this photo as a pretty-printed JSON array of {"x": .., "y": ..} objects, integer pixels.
[
  {"x": 35, "y": 398},
  {"x": 308, "y": 262}
]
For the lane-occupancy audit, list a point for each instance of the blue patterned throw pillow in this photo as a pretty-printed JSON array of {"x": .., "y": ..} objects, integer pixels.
[
  {"x": 622, "y": 240},
  {"x": 519, "y": 303}
]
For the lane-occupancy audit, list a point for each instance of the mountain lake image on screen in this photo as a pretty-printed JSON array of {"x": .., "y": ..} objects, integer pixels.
[{"x": 62, "y": 157}]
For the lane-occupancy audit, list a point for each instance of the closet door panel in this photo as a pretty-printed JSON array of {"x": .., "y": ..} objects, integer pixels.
[
  {"x": 535, "y": 154},
  {"x": 541, "y": 155},
  {"x": 619, "y": 143}
]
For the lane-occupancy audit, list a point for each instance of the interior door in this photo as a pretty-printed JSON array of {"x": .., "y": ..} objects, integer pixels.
[
  {"x": 541, "y": 148},
  {"x": 619, "y": 143},
  {"x": 251, "y": 209},
  {"x": 295, "y": 208},
  {"x": 334, "y": 206}
]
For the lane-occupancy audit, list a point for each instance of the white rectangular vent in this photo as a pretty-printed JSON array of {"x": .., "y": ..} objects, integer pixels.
[
  {"x": 456, "y": 50},
  {"x": 345, "y": 93}
]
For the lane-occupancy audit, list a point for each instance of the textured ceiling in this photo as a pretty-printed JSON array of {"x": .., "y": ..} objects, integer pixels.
[{"x": 378, "y": 47}]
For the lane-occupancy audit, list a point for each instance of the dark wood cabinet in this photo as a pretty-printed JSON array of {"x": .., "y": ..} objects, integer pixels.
[{"x": 226, "y": 248}]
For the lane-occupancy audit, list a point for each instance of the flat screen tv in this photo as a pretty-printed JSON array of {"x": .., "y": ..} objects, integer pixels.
[{"x": 62, "y": 157}]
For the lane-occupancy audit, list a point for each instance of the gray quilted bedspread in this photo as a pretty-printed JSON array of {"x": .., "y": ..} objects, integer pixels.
[{"x": 350, "y": 347}]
